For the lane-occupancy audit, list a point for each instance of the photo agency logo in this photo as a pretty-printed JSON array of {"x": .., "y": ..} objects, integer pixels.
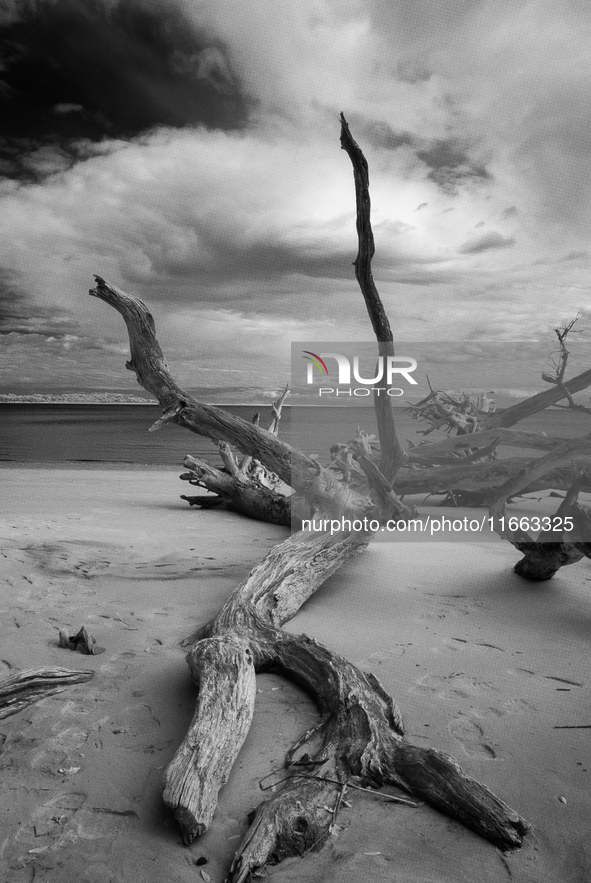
[{"x": 385, "y": 374}]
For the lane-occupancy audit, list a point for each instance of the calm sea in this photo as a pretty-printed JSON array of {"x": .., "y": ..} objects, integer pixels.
[{"x": 119, "y": 433}]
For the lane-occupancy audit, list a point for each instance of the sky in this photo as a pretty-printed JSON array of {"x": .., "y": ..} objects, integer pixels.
[{"x": 188, "y": 152}]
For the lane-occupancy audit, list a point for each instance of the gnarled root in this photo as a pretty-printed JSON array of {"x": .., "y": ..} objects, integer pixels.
[{"x": 237, "y": 492}]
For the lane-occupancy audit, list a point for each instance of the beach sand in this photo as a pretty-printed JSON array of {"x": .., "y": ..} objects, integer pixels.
[{"x": 483, "y": 665}]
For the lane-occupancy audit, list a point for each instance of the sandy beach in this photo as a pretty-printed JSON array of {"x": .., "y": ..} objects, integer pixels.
[{"x": 484, "y": 666}]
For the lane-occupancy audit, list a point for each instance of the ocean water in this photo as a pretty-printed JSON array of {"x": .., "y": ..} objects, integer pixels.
[{"x": 112, "y": 434}]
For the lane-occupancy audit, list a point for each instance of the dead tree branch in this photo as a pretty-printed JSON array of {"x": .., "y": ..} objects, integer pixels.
[
  {"x": 392, "y": 454},
  {"x": 26, "y": 687},
  {"x": 293, "y": 467}
]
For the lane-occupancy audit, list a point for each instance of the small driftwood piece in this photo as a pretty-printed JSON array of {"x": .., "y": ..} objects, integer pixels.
[
  {"x": 27, "y": 687},
  {"x": 82, "y": 641}
]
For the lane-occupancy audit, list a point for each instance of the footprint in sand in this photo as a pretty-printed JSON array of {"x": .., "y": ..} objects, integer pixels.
[
  {"x": 116, "y": 665},
  {"x": 471, "y": 737},
  {"x": 513, "y": 706},
  {"x": 382, "y": 655},
  {"x": 453, "y": 685},
  {"x": 49, "y": 828}
]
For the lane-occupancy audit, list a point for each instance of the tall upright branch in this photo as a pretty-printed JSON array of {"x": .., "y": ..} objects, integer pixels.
[{"x": 392, "y": 454}]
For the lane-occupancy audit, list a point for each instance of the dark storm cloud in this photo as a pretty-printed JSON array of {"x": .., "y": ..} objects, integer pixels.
[
  {"x": 450, "y": 164},
  {"x": 486, "y": 242},
  {"x": 84, "y": 69}
]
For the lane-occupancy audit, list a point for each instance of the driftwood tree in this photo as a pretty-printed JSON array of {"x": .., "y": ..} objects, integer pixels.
[{"x": 360, "y": 734}]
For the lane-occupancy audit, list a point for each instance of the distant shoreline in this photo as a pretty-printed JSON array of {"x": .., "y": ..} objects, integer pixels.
[
  {"x": 38, "y": 402},
  {"x": 340, "y": 405}
]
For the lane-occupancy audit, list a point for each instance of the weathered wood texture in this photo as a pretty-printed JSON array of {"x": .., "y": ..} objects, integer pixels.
[
  {"x": 26, "y": 687},
  {"x": 223, "y": 670}
]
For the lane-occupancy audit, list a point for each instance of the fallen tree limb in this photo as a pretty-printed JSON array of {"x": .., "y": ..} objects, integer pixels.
[
  {"x": 27, "y": 687},
  {"x": 244, "y": 485},
  {"x": 552, "y": 549},
  {"x": 238, "y": 494},
  {"x": 505, "y": 417},
  {"x": 296, "y": 469},
  {"x": 477, "y": 476},
  {"x": 427, "y": 453}
]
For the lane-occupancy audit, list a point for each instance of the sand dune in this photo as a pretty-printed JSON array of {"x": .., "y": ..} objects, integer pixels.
[{"x": 483, "y": 666}]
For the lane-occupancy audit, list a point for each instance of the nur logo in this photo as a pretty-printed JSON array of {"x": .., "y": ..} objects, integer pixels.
[{"x": 386, "y": 369}]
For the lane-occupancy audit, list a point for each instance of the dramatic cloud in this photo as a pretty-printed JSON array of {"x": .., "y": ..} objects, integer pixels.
[
  {"x": 189, "y": 153},
  {"x": 92, "y": 69},
  {"x": 450, "y": 164}
]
